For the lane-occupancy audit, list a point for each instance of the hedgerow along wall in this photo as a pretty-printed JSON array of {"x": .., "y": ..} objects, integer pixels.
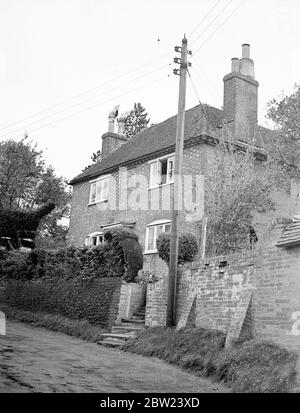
[
  {"x": 94, "y": 300},
  {"x": 102, "y": 302}
]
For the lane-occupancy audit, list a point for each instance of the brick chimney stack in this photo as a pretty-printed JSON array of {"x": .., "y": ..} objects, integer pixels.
[
  {"x": 111, "y": 141},
  {"x": 240, "y": 96}
]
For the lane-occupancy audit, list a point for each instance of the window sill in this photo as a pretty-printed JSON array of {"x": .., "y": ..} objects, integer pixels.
[
  {"x": 159, "y": 186},
  {"x": 98, "y": 202},
  {"x": 150, "y": 252}
]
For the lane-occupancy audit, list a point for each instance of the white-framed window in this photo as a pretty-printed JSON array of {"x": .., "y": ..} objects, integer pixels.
[
  {"x": 99, "y": 190},
  {"x": 96, "y": 238},
  {"x": 162, "y": 171},
  {"x": 153, "y": 230}
]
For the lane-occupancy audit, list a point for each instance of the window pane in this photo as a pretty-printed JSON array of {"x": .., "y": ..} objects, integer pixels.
[
  {"x": 105, "y": 189},
  {"x": 164, "y": 170},
  {"x": 93, "y": 192},
  {"x": 160, "y": 229},
  {"x": 94, "y": 241},
  {"x": 171, "y": 170},
  {"x": 99, "y": 190},
  {"x": 154, "y": 174},
  {"x": 167, "y": 227},
  {"x": 87, "y": 241},
  {"x": 150, "y": 243}
]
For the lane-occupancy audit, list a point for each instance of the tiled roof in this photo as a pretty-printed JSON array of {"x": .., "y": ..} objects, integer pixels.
[
  {"x": 291, "y": 235},
  {"x": 160, "y": 137},
  {"x": 154, "y": 139}
]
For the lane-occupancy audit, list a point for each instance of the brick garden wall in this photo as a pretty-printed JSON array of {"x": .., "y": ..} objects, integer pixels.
[
  {"x": 277, "y": 295},
  {"x": 257, "y": 293},
  {"x": 216, "y": 285}
]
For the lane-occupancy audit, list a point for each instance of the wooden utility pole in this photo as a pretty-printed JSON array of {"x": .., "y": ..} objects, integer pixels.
[{"x": 177, "y": 187}]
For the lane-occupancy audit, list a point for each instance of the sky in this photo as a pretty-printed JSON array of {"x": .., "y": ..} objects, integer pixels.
[{"x": 65, "y": 64}]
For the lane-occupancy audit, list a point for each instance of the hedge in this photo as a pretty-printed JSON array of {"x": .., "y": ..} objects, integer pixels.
[
  {"x": 120, "y": 256},
  {"x": 93, "y": 300}
]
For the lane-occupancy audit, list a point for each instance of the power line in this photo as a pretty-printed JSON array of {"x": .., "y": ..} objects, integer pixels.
[
  {"x": 224, "y": 21},
  {"x": 195, "y": 90},
  {"x": 84, "y": 92},
  {"x": 77, "y": 104},
  {"x": 201, "y": 73},
  {"x": 214, "y": 19},
  {"x": 93, "y": 106},
  {"x": 202, "y": 20}
]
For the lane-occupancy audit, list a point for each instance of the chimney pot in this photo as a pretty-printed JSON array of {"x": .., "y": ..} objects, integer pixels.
[
  {"x": 111, "y": 119},
  {"x": 246, "y": 51},
  {"x": 235, "y": 64}
]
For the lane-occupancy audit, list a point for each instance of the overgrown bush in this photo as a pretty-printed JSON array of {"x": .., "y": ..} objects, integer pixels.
[
  {"x": 127, "y": 248},
  {"x": 187, "y": 247}
]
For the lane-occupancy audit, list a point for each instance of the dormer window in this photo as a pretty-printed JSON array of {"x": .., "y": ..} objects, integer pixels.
[
  {"x": 162, "y": 171},
  {"x": 99, "y": 190}
]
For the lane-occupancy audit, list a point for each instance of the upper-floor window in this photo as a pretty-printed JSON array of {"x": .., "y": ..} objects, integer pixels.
[
  {"x": 153, "y": 230},
  {"x": 99, "y": 190},
  {"x": 162, "y": 171},
  {"x": 96, "y": 238}
]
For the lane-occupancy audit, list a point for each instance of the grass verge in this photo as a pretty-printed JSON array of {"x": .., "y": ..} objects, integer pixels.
[
  {"x": 247, "y": 367},
  {"x": 76, "y": 328}
]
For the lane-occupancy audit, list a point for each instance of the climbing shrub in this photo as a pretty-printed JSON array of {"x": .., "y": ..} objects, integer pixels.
[{"x": 187, "y": 247}]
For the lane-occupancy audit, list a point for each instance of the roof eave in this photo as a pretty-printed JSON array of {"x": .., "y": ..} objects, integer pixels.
[
  {"x": 170, "y": 148},
  {"x": 200, "y": 139}
]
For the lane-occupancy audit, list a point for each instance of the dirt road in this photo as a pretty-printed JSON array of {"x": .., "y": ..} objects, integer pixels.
[{"x": 37, "y": 360}]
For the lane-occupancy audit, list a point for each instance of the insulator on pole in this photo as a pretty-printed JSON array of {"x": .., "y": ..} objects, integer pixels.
[
  {"x": 177, "y": 60},
  {"x": 176, "y": 71},
  {"x": 177, "y": 49}
]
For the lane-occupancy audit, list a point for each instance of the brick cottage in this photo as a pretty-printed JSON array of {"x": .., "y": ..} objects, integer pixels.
[{"x": 146, "y": 161}]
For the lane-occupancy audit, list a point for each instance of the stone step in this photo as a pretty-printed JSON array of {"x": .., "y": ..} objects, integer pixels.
[
  {"x": 139, "y": 313},
  {"x": 137, "y": 317},
  {"x": 129, "y": 328},
  {"x": 125, "y": 321},
  {"x": 134, "y": 326},
  {"x": 111, "y": 343},
  {"x": 141, "y": 309},
  {"x": 115, "y": 336}
]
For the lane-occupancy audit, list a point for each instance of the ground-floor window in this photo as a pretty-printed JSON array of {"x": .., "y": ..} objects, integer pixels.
[
  {"x": 94, "y": 239},
  {"x": 153, "y": 230}
]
